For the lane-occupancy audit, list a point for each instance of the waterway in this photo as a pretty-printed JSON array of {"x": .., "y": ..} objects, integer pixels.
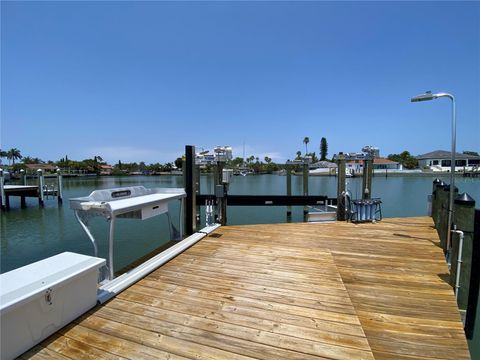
[{"x": 32, "y": 234}]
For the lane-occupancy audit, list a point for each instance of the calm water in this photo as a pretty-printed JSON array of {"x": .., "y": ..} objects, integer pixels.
[{"x": 32, "y": 234}]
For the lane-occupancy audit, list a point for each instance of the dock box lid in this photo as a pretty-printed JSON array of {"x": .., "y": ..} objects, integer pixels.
[{"x": 20, "y": 285}]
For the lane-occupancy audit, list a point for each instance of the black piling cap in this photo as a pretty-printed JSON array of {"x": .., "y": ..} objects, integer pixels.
[
  {"x": 447, "y": 188},
  {"x": 441, "y": 184},
  {"x": 465, "y": 199},
  {"x": 437, "y": 181}
]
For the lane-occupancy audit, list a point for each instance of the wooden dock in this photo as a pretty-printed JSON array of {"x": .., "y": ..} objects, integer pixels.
[
  {"x": 22, "y": 191},
  {"x": 283, "y": 291}
]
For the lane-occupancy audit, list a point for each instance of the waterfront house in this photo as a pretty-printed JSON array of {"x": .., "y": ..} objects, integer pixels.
[
  {"x": 323, "y": 168},
  {"x": 379, "y": 164},
  {"x": 439, "y": 160},
  {"x": 44, "y": 167},
  {"x": 106, "y": 169}
]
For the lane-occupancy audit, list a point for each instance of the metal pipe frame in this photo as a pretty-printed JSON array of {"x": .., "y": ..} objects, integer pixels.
[
  {"x": 110, "y": 247},
  {"x": 459, "y": 260},
  {"x": 85, "y": 228}
]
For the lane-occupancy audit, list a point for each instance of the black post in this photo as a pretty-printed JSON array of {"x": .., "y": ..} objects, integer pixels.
[
  {"x": 305, "y": 188},
  {"x": 463, "y": 219},
  {"x": 434, "y": 197},
  {"x": 474, "y": 280},
  {"x": 197, "y": 192},
  {"x": 3, "y": 195},
  {"x": 443, "y": 228},
  {"x": 288, "y": 169},
  {"x": 341, "y": 162},
  {"x": 220, "y": 193},
  {"x": 190, "y": 182}
]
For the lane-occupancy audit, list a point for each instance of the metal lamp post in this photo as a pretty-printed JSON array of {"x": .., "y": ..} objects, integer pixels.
[{"x": 426, "y": 97}]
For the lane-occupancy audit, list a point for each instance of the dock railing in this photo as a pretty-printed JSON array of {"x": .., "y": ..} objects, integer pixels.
[{"x": 463, "y": 255}]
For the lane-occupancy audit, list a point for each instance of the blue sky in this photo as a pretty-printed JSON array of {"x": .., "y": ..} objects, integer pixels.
[{"x": 137, "y": 81}]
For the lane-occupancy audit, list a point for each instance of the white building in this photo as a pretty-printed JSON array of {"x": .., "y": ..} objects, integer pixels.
[{"x": 440, "y": 160}]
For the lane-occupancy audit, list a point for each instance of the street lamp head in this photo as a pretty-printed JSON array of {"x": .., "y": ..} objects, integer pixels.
[
  {"x": 424, "y": 97},
  {"x": 429, "y": 96}
]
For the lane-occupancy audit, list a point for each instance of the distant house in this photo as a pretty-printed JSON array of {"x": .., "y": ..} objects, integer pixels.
[
  {"x": 386, "y": 164},
  {"x": 356, "y": 166},
  {"x": 323, "y": 165},
  {"x": 106, "y": 169},
  {"x": 44, "y": 167},
  {"x": 440, "y": 160},
  {"x": 323, "y": 168}
]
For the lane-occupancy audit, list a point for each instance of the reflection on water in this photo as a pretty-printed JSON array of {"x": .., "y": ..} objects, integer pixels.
[{"x": 32, "y": 234}]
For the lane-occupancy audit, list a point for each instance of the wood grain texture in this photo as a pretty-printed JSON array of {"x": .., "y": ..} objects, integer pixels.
[{"x": 283, "y": 291}]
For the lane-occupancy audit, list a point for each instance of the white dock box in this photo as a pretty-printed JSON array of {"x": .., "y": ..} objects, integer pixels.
[{"x": 38, "y": 299}]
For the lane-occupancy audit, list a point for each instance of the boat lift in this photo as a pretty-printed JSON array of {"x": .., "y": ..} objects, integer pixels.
[{"x": 135, "y": 202}]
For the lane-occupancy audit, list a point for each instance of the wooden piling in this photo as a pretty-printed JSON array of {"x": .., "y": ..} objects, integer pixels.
[
  {"x": 441, "y": 215},
  {"x": 190, "y": 189},
  {"x": 23, "y": 175},
  {"x": 434, "y": 198},
  {"x": 41, "y": 186},
  {"x": 289, "y": 190},
  {"x": 198, "y": 191},
  {"x": 443, "y": 223},
  {"x": 474, "y": 291},
  {"x": 305, "y": 187},
  {"x": 220, "y": 192},
  {"x": 3, "y": 197},
  {"x": 367, "y": 178},
  {"x": 341, "y": 162},
  {"x": 463, "y": 219},
  {"x": 59, "y": 186}
]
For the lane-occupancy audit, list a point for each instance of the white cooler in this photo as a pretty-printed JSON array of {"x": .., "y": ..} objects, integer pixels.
[{"x": 38, "y": 299}]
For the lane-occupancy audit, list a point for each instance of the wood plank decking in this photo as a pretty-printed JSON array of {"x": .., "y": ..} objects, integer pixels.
[{"x": 283, "y": 291}]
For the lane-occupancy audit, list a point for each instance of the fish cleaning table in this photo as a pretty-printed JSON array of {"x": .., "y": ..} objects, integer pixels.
[{"x": 135, "y": 202}]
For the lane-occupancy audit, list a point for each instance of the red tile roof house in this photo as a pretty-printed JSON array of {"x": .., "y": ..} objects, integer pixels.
[
  {"x": 44, "y": 167},
  {"x": 106, "y": 169}
]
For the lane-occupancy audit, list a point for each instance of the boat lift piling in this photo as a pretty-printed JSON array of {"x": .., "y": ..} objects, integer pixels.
[
  {"x": 41, "y": 187},
  {"x": 3, "y": 198},
  {"x": 289, "y": 190},
  {"x": 221, "y": 199},
  {"x": 191, "y": 191},
  {"x": 341, "y": 188},
  {"x": 367, "y": 208},
  {"x": 305, "y": 185},
  {"x": 23, "y": 175},
  {"x": 367, "y": 178}
]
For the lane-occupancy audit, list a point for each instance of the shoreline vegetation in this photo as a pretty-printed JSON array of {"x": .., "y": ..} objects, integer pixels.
[{"x": 252, "y": 164}]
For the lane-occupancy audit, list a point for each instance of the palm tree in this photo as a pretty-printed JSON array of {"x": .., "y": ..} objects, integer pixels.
[
  {"x": 306, "y": 140},
  {"x": 299, "y": 155},
  {"x": 13, "y": 154},
  {"x": 3, "y": 154}
]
